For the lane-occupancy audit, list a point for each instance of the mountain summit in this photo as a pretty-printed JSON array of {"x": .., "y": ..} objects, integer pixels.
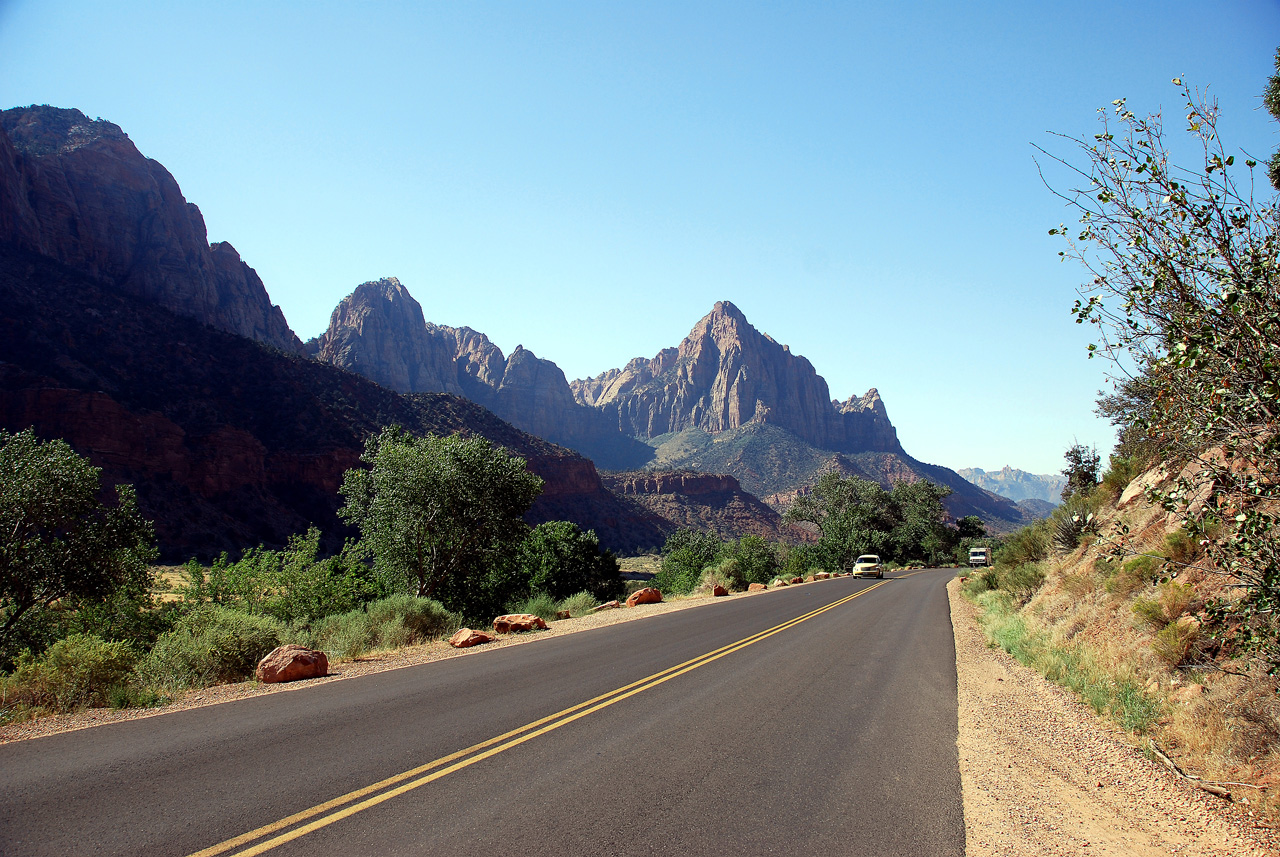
[
  {"x": 78, "y": 191},
  {"x": 726, "y": 374}
]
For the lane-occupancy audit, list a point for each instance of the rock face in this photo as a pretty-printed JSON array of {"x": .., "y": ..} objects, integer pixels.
[
  {"x": 726, "y": 374},
  {"x": 78, "y": 191},
  {"x": 291, "y": 663},
  {"x": 379, "y": 332},
  {"x": 703, "y": 501}
]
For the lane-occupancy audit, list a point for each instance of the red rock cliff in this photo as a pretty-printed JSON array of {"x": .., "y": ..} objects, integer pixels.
[{"x": 77, "y": 190}]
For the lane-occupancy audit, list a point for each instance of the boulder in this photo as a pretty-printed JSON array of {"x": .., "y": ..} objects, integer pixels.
[
  {"x": 796, "y": 580},
  {"x": 648, "y": 595},
  {"x": 822, "y": 575},
  {"x": 290, "y": 663},
  {"x": 778, "y": 581},
  {"x": 563, "y": 614},
  {"x": 719, "y": 591},
  {"x": 608, "y": 605},
  {"x": 757, "y": 587},
  {"x": 465, "y": 638},
  {"x": 519, "y": 622}
]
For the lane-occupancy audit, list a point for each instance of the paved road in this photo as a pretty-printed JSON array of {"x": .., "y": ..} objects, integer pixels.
[{"x": 834, "y": 734}]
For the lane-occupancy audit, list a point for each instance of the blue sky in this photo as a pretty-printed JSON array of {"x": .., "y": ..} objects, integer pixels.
[{"x": 587, "y": 179}]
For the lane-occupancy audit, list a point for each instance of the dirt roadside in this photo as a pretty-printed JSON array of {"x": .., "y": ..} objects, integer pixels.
[{"x": 1042, "y": 775}]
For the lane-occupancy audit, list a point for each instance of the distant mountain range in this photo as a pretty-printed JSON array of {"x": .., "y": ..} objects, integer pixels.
[
  {"x": 162, "y": 358},
  {"x": 1018, "y": 484}
]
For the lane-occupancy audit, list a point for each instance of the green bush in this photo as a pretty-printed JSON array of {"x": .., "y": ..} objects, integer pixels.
[
  {"x": 1022, "y": 581},
  {"x": 289, "y": 585},
  {"x": 756, "y": 558},
  {"x": 1134, "y": 574},
  {"x": 727, "y": 573},
  {"x": 212, "y": 644},
  {"x": 541, "y": 605},
  {"x": 393, "y": 622},
  {"x": 579, "y": 604},
  {"x": 685, "y": 555},
  {"x": 560, "y": 559},
  {"x": 78, "y": 671},
  {"x": 1029, "y": 544}
]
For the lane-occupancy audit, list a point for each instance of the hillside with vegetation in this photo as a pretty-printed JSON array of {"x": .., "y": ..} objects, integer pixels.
[{"x": 1153, "y": 590}]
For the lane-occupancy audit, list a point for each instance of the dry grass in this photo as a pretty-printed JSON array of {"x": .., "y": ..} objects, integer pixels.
[{"x": 1142, "y": 629}]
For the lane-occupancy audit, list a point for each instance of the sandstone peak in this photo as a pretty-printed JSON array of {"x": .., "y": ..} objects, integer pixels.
[{"x": 76, "y": 190}]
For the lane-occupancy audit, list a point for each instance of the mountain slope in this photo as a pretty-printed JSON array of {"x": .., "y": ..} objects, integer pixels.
[
  {"x": 230, "y": 443},
  {"x": 726, "y": 374},
  {"x": 78, "y": 191},
  {"x": 379, "y": 331}
]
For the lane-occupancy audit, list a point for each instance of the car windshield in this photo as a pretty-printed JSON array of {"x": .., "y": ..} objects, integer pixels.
[{"x": 868, "y": 558}]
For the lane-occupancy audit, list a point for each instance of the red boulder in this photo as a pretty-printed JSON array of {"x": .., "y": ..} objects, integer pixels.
[{"x": 290, "y": 663}]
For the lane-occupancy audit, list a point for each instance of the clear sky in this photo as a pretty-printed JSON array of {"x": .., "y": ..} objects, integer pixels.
[{"x": 587, "y": 179}]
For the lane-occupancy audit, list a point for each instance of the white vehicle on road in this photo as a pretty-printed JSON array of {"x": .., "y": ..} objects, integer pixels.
[{"x": 868, "y": 563}]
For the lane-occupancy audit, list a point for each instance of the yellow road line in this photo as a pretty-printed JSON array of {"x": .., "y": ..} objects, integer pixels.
[{"x": 484, "y": 750}]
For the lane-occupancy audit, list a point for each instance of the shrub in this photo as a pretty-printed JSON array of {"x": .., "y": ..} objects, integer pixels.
[
  {"x": 579, "y": 604},
  {"x": 756, "y": 557},
  {"x": 1120, "y": 473},
  {"x": 560, "y": 559},
  {"x": 1134, "y": 574},
  {"x": 1168, "y": 606},
  {"x": 727, "y": 574},
  {"x": 1029, "y": 544},
  {"x": 1022, "y": 581},
  {"x": 78, "y": 671},
  {"x": 540, "y": 604},
  {"x": 393, "y": 622},
  {"x": 1071, "y": 522},
  {"x": 1180, "y": 547},
  {"x": 211, "y": 644},
  {"x": 1174, "y": 643},
  {"x": 685, "y": 555}
]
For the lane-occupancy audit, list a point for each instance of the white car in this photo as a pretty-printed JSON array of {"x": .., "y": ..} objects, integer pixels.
[{"x": 868, "y": 563}]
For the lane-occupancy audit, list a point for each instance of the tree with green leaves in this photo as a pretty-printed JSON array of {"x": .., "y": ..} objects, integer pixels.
[
  {"x": 971, "y": 527},
  {"x": 852, "y": 516},
  {"x": 559, "y": 559},
  {"x": 1184, "y": 293},
  {"x": 1271, "y": 101},
  {"x": 58, "y": 540},
  {"x": 920, "y": 532},
  {"x": 1081, "y": 470},
  {"x": 439, "y": 513}
]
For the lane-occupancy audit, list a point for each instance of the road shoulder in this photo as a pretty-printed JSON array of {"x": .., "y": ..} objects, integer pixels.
[{"x": 1041, "y": 775}]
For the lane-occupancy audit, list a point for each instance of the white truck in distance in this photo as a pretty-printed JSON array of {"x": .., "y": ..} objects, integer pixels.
[{"x": 979, "y": 557}]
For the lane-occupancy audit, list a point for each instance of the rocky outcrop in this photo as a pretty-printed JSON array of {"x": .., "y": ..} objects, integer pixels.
[
  {"x": 703, "y": 501},
  {"x": 291, "y": 663},
  {"x": 379, "y": 332},
  {"x": 726, "y": 374},
  {"x": 77, "y": 190}
]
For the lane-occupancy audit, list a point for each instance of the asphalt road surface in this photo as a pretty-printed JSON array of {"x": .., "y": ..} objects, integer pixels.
[{"x": 802, "y": 721}]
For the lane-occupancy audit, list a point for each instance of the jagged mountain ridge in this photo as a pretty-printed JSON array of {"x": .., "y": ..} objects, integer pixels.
[
  {"x": 379, "y": 331},
  {"x": 726, "y": 374},
  {"x": 231, "y": 444},
  {"x": 77, "y": 190},
  {"x": 1016, "y": 484}
]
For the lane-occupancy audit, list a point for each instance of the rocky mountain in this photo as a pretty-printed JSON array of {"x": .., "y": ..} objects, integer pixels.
[
  {"x": 379, "y": 332},
  {"x": 778, "y": 466},
  {"x": 726, "y": 374},
  {"x": 1017, "y": 484},
  {"x": 78, "y": 191},
  {"x": 231, "y": 444},
  {"x": 703, "y": 501}
]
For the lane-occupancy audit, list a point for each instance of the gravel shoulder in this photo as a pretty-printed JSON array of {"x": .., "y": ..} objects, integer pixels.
[{"x": 1042, "y": 775}]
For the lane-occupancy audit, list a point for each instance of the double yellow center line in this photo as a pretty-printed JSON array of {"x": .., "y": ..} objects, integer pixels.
[{"x": 321, "y": 815}]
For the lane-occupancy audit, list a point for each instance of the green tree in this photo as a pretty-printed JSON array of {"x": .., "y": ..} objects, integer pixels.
[
  {"x": 559, "y": 559},
  {"x": 852, "y": 515},
  {"x": 757, "y": 558},
  {"x": 1183, "y": 290},
  {"x": 442, "y": 516},
  {"x": 1271, "y": 101},
  {"x": 1081, "y": 470},
  {"x": 971, "y": 527},
  {"x": 57, "y": 539},
  {"x": 919, "y": 532},
  {"x": 684, "y": 557}
]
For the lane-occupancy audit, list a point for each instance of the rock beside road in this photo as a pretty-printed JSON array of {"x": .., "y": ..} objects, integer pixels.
[
  {"x": 465, "y": 638},
  {"x": 648, "y": 595},
  {"x": 291, "y": 663},
  {"x": 519, "y": 622}
]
